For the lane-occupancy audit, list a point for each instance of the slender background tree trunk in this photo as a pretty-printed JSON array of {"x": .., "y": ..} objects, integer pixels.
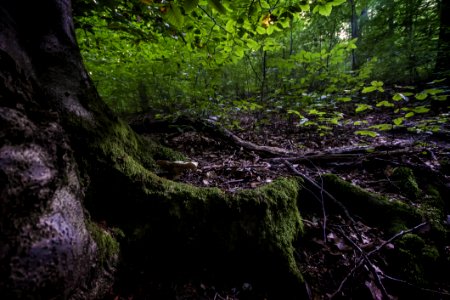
[{"x": 443, "y": 57}]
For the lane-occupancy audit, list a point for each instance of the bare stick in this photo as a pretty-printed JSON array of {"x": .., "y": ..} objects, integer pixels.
[{"x": 397, "y": 235}]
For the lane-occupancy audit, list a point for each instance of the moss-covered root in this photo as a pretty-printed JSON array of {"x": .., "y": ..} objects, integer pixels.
[
  {"x": 242, "y": 237},
  {"x": 390, "y": 215}
]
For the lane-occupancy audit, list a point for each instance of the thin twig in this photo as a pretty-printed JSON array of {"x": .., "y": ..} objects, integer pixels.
[
  {"x": 360, "y": 261},
  {"x": 369, "y": 265},
  {"x": 313, "y": 183},
  {"x": 415, "y": 286},
  {"x": 397, "y": 235}
]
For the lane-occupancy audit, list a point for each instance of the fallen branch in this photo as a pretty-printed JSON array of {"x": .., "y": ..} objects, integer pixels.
[{"x": 208, "y": 126}]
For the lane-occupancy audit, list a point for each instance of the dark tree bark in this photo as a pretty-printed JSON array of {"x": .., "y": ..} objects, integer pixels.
[
  {"x": 46, "y": 251},
  {"x": 63, "y": 153}
]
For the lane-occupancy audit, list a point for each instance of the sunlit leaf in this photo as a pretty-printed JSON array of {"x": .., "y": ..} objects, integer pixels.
[
  {"x": 421, "y": 96},
  {"x": 252, "y": 44},
  {"x": 344, "y": 99},
  {"x": 377, "y": 83},
  {"x": 398, "y": 121},
  {"x": 421, "y": 109},
  {"x": 217, "y": 5},
  {"x": 323, "y": 9},
  {"x": 437, "y": 81},
  {"x": 316, "y": 112},
  {"x": 260, "y": 30},
  {"x": 337, "y": 2},
  {"x": 359, "y": 122},
  {"x": 368, "y": 89},
  {"x": 433, "y": 91},
  {"x": 230, "y": 26},
  {"x": 366, "y": 133},
  {"x": 385, "y": 104},
  {"x": 239, "y": 52},
  {"x": 409, "y": 115},
  {"x": 440, "y": 98},
  {"x": 362, "y": 107},
  {"x": 305, "y": 7},
  {"x": 189, "y": 5},
  {"x": 399, "y": 96},
  {"x": 382, "y": 127},
  {"x": 174, "y": 16}
]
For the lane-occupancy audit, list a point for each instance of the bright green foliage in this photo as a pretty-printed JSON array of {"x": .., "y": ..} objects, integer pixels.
[{"x": 217, "y": 57}]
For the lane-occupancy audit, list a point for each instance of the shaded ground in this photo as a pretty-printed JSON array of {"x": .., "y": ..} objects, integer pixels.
[{"x": 330, "y": 251}]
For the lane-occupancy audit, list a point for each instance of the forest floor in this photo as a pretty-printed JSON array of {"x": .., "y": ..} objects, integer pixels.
[{"x": 328, "y": 257}]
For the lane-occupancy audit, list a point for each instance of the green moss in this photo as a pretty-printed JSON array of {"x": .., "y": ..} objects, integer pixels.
[
  {"x": 107, "y": 246},
  {"x": 432, "y": 208},
  {"x": 445, "y": 165},
  {"x": 416, "y": 259},
  {"x": 131, "y": 153},
  {"x": 404, "y": 178},
  {"x": 390, "y": 215}
]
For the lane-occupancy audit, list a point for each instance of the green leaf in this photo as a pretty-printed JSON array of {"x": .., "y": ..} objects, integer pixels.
[
  {"x": 230, "y": 26},
  {"x": 385, "y": 104},
  {"x": 362, "y": 107},
  {"x": 433, "y": 91},
  {"x": 260, "y": 30},
  {"x": 264, "y": 4},
  {"x": 421, "y": 109},
  {"x": 316, "y": 112},
  {"x": 189, "y": 5},
  {"x": 295, "y": 112},
  {"x": 382, "y": 127},
  {"x": 366, "y": 132},
  {"x": 252, "y": 44},
  {"x": 239, "y": 52},
  {"x": 377, "y": 83},
  {"x": 399, "y": 96},
  {"x": 305, "y": 7},
  {"x": 337, "y": 2},
  {"x": 359, "y": 122},
  {"x": 421, "y": 96},
  {"x": 368, "y": 89},
  {"x": 409, "y": 115},
  {"x": 217, "y": 5},
  {"x": 344, "y": 99},
  {"x": 440, "y": 98},
  {"x": 174, "y": 15},
  {"x": 437, "y": 81},
  {"x": 398, "y": 121},
  {"x": 323, "y": 9}
]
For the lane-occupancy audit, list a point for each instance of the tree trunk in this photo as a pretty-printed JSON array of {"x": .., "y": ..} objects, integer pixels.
[
  {"x": 443, "y": 57},
  {"x": 45, "y": 94},
  {"x": 64, "y": 153},
  {"x": 355, "y": 32}
]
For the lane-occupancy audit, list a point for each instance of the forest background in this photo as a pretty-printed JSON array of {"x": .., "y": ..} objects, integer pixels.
[{"x": 213, "y": 58}]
